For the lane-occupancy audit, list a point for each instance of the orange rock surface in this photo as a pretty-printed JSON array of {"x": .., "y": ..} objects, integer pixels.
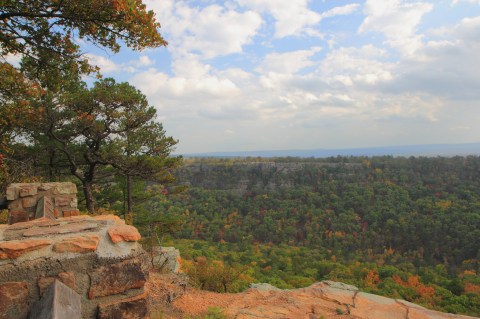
[
  {"x": 123, "y": 233},
  {"x": 15, "y": 248},
  {"x": 321, "y": 300},
  {"x": 78, "y": 244}
]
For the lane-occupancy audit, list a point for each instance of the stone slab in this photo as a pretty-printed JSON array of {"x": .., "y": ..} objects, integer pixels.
[
  {"x": 15, "y": 248},
  {"x": 13, "y": 300},
  {"x": 65, "y": 188},
  {"x": 58, "y": 302},
  {"x": 78, "y": 244},
  {"x": 61, "y": 229},
  {"x": 28, "y": 190},
  {"x": 28, "y": 202},
  {"x": 18, "y": 216},
  {"x": 117, "y": 278},
  {"x": 66, "y": 277},
  {"x": 45, "y": 208},
  {"x": 11, "y": 193},
  {"x": 131, "y": 308},
  {"x": 120, "y": 233}
]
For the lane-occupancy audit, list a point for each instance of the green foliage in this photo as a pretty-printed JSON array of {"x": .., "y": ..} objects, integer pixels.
[
  {"x": 401, "y": 227},
  {"x": 350, "y": 206},
  {"x": 99, "y": 135},
  {"x": 42, "y": 33},
  {"x": 3, "y": 216}
]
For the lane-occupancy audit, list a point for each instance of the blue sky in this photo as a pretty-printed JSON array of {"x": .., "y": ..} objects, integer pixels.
[{"x": 244, "y": 75}]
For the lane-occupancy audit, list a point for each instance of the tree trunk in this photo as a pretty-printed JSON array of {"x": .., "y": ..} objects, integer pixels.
[
  {"x": 89, "y": 201},
  {"x": 129, "y": 194}
]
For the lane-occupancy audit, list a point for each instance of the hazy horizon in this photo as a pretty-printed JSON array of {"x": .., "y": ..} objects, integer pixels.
[{"x": 449, "y": 150}]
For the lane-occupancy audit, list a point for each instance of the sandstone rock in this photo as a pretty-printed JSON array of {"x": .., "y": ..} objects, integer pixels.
[
  {"x": 65, "y": 277},
  {"x": 166, "y": 259},
  {"x": 61, "y": 229},
  {"x": 41, "y": 222},
  {"x": 123, "y": 233},
  {"x": 15, "y": 248},
  {"x": 18, "y": 216},
  {"x": 334, "y": 292},
  {"x": 78, "y": 244},
  {"x": 71, "y": 213},
  {"x": 65, "y": 201},
  {"x": 45, "y": 222},
  {"x": 131, "y": 308},
  {"x": 264, "y": 287},
  {"x": 106, "y": 217},
  {"x": 11, "y": 193},
  {"x": 76, "y": 219},
  {"x": 117, "y": 278},
  {"x": 65, "y": 188},
  {"x": 303, "y": 303},
  {"x": 339, "y": 285},
  {"x": 28, "y": 202},
  {"x": 377, "y": 307},
  {"x": 45, "y": 208},
  {"x": 15, "y": 205},
  {"x": 13, "y": 300},
  {"x": 28, "y": 190},
  {"x": 46, "y": 186},
  {"x": 58, "y": 302}
]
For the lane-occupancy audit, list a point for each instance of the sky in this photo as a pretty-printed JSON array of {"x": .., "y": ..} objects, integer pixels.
[{"x": 244, "y": 75}]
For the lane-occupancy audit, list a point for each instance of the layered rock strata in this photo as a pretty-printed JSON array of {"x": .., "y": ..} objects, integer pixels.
[{"x": 98, "y": 257}]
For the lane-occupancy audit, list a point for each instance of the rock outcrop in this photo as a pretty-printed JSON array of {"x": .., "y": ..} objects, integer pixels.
[
  {"x": 321, "y": 300},
  {"x": 166, "y": 259},
  {"x": 98, "y": 257}
]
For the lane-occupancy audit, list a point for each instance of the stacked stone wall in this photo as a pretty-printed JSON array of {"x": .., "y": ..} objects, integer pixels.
[
  {"x": 27, "y": 201},
  {"x": 98, "y": 257}
]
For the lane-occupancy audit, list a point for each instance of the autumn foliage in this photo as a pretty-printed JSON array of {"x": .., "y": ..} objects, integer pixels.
[{"x": 414, "y": 282}]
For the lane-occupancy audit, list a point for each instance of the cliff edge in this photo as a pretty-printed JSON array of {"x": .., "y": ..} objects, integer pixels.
[{"x": 325, "y": 299}]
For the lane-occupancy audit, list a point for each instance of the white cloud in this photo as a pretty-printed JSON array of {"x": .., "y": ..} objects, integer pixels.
[
  {"x": 144, "y": 61},
  {"x": 451, "y": 70},
  {"x": 289, "y": 62},
  {"x": 360, "y": 66},
  {"x": 342, "y": 10},
  {"x": 211, "y": 31},
  {"x": 106, "y": 65},
  {"x": 415, "y": 88},
  {"x": 398, "y": 21},
  {"x": 455, "y": 2},
  {"x": 291, "y": 17}
]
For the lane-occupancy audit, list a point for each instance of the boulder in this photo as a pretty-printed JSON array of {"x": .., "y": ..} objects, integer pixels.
[
  {"x": 117, "y": 278},
  {"x": 58, "y": 302},
  {"x": 166, "y": 259}
]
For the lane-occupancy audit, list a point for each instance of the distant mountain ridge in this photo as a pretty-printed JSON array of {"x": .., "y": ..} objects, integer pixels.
[{"x": 403, "y": 150}]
